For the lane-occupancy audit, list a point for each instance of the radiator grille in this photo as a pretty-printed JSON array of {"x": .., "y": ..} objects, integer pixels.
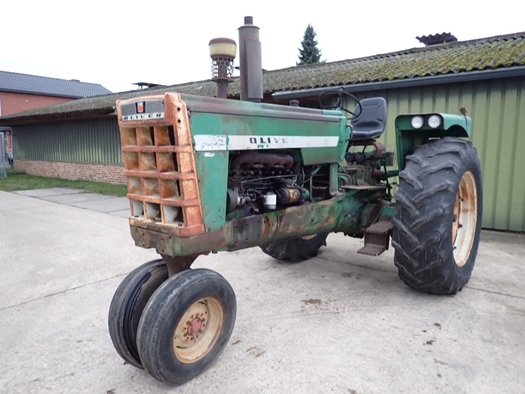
[{"x": 160, "y": 166}]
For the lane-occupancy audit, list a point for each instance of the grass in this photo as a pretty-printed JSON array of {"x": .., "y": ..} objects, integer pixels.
[{"x": 19, "y": 181}]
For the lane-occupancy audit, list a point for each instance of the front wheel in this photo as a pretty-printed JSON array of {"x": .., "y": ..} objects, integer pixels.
[
  {"x": 296, "y": 249},
  {"x": 437, "y": 221},
  {"x": 186, "y": 325}
]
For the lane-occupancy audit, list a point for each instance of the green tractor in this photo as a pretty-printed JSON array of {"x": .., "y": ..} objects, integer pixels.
[{"x": 209, "y": 175}]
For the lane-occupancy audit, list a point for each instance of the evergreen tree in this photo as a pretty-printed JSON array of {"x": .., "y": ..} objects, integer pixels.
[{"x": 309, "y": 54}]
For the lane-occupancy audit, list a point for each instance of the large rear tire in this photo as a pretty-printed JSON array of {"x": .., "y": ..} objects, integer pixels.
[
  {"x": 186, "y": 325},
  {"x": 127, "y": 305},
  {"x": 437, "y": 221},
  {"x": 297, "y": 249}
]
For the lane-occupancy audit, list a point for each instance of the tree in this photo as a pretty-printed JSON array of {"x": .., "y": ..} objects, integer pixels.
[{"x": 309, "y": 54}]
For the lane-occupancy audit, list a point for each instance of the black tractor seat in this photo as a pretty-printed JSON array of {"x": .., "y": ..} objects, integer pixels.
[{"x": 371, "y": 119}]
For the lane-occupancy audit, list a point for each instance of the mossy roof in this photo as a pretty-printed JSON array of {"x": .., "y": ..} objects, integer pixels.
[
  {"x": 499, "y": 52},
  {"x": 450, "y": 58}
]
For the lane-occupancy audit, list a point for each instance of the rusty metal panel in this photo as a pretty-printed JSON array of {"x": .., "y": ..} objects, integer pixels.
[
  {"x": 242, "y": 233},
  {"x": 159, "y": 163},
  {"x": 497, "y": 109}
]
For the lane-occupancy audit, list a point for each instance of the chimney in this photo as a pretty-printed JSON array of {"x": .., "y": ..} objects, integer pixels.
[{"x": 435, "y": 39}]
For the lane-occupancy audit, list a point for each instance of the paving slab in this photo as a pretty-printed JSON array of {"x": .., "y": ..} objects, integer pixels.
[
  {"x": 124, "y": 213},
  {"x": 69, "y": 199},
  {"x": 118, "y": 206},
  {"x": 104, "y": 205},
  {"x": 54, "y": 191}
]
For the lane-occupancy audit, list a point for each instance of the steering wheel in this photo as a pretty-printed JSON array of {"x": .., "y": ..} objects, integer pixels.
[{"x": 340, "y": 93}]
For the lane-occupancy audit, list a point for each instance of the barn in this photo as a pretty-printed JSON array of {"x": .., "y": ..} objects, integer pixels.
[{"x": 80, "y": 139}]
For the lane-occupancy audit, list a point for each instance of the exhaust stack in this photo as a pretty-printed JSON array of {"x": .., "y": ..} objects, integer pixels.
[{"x": 250, "y": 61}]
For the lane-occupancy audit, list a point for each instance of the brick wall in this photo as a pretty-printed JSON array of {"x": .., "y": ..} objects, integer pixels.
[
  {"x": 106, "y": 173},
  {"x": 17, "y": 102}
]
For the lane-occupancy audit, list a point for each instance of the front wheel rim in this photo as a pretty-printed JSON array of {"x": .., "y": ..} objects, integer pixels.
[
  {"x": 198, "y": 330},
  {"x": 465, "y": 218}
]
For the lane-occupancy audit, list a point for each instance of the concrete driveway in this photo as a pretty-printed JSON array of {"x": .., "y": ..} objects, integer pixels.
[{"x": 341, "y": 322}]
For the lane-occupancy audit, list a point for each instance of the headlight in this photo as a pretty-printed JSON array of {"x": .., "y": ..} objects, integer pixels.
[
  {"x": 434, "y": 121},
  {"x": 416, "y": 122}
]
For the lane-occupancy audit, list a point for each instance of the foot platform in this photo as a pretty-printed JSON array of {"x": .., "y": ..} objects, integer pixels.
[{"x": 377, "y": 238}]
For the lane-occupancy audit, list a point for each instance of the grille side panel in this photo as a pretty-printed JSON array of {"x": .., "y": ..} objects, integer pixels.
[{"x": 160, "y": 164}]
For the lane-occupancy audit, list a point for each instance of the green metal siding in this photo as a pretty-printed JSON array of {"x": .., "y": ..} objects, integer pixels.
[
  {"x": 497, "y": 109},
  {"x": 79, "y": 141}
]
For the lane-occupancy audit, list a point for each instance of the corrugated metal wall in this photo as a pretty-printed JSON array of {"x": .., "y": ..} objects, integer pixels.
[
  {"x": 79, "y": 141},
  {"x": 497, "y": 109}
]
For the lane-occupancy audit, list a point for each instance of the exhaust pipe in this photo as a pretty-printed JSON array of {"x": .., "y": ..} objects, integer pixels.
[{"x": 250, "y": 61}]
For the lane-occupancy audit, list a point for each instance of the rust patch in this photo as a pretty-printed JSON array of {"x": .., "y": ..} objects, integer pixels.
[
  {"x": 177, "y": 264},
  {"x": 268, "y": 160},
  {"x": 236, "y": 234},
  {"x": 160, "y": 167}
]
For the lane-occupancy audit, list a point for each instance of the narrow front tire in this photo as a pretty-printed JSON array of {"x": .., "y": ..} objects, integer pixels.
[{"x": 127, "y": 305}]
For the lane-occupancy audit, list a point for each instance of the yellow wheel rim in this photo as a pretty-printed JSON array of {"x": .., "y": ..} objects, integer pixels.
[
  {"x": 198, "y": 330},
  {"x": 465, "y": 218}
]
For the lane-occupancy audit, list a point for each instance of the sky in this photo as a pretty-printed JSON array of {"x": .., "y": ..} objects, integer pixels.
[{"x": 116, "y": 43}]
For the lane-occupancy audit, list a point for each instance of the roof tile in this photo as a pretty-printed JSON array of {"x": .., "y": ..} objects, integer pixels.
[
  {"x": 506, "y": 51},
  {"x": 442, "y": 59},
  {"x": 25, "y": 83}
]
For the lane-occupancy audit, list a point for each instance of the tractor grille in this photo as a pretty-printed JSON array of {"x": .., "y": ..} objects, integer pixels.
[{"x": 159, "y": 163}]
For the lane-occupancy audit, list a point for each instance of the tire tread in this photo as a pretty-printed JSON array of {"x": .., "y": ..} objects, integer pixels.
[{"x": 422, "y": 219}]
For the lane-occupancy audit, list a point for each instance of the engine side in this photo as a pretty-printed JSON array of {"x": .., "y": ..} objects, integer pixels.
[
  {"x": 253, "y": 158},
  {"x": 208, "y": 174}
]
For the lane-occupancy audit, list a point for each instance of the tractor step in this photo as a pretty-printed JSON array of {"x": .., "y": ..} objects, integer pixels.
[{"x": 377, "y": 238}]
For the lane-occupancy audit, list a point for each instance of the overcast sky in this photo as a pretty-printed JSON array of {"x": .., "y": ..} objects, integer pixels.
[{"x": 116, "y": 43}]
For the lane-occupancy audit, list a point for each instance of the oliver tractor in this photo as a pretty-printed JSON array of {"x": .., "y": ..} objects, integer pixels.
[{"x": 209, "y": 175}]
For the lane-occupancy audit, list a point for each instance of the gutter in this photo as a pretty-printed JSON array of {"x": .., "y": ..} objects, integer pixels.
[
  {"x": 78, "y": 114},
  {"x": 407, "y": 82}
]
